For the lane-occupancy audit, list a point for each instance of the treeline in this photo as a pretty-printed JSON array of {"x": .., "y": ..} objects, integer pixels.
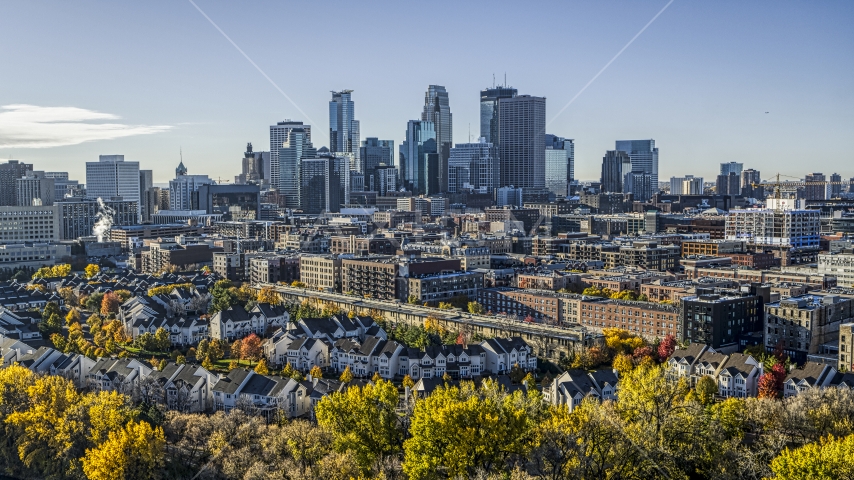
[{"x": 657, "y": 429}]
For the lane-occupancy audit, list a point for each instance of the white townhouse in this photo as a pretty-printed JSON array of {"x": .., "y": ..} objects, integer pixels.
[
  {"x": 681, "y": 362},
  {"x": 264, "y": 394},
  {"x": 739, "y": 376},
  {"x": 276, "y": 347},
  {"x": 233, "y": 323},
  {"x": 709, "y": 363},
  {"x": 570, "y": 388},
  {"x": 605, "y": 381},
  {"x": 305, "y": 353},
  {"x": 119, "y": 374},
  {"x": 457, "y": 361},
  {"x": 812, "y": 375},
  {"x": 503, "y": 353},
  {"x": 186, "y": 388}
]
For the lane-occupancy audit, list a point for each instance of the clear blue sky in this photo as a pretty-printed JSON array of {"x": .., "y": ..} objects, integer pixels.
[{"x": 699, "y": 80}]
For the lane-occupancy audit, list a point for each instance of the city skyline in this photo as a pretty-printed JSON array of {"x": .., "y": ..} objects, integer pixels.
[{"x": 697, "y": 75}]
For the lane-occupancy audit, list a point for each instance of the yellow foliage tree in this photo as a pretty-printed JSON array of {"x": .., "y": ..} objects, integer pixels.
[
  {"x": 91, "y": 270},
  {"x": 268, "y": 295},
  {"x": 135, "y": 451},
  {"x": 408, "y": 381},
  {"x": 346, "y": 375},
  {"x": 826, "y": 459},
  {"x": 622, "y": 341},
  {"x": 261, "y": 368},
  {"x": 108, "y": 412},
  {"x": 316, "y": 372}
]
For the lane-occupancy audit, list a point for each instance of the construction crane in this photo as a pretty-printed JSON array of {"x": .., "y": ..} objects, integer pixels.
[{"x": 778, "y": 184}]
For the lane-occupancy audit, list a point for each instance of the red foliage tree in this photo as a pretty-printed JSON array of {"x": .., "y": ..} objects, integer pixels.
[
  {"x": 642, "y": 352},
  {"x": 529, "y": 319},
  {"x": 779, "y": 372},
  {"x": 666, "y": 347},
  {"x": 768, "y": 386},
  {"x": 110, "y": 303},
  {"x": 251, "y": 347}
]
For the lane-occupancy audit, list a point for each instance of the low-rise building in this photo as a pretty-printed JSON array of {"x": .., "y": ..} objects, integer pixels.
[{"x": 806, "y": 325}]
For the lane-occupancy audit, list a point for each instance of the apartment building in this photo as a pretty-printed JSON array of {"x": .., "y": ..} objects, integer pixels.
[
  {"x": 321, "y": 271},
  {"x": 808, "y": 324},
  {"x": 650, "y": 320},
  {"x": 438, "y": 287}
]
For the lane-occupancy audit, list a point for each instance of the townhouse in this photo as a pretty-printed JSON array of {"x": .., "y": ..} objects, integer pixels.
[
  {"x": 736, "y": 375},
  {"x": 266, "y": 395},
  {"x": 236, "y": 323},
  {"x": 570, "y": 388},
  {"x": 117, "y": 374},
  {"x": 811, "y": 375}
]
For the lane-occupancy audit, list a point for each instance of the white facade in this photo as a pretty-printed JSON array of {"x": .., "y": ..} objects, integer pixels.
[
  {"x": 181, "y": 191},
  {"x": 839, "y": 265},
  {"x": 111, "y": 176},
  {"x": 29, "y": 224},
  {"x": 784, "y": 228}
]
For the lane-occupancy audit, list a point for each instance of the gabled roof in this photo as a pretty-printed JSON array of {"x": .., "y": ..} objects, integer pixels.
[
  {"x": 739, "y": 363},
  {"x": 231, "y": 382},
  {"x": 811, "y": 373},
  {"x": 689, "y": 354}
]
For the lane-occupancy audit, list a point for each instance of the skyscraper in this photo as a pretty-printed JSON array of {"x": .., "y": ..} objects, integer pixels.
[
  {"x": 373, "y": 153},
  {"x": 816, "y": 187},
  {"x": 419, "y": 159},
  {"x": 34, "y": 190},
  {"x": 438, "y": 111},
  {"x": 835, "y": 185},
  {"x": 255, "y": 167},
  {"x": 146, "y": 182},
  {"x": 325, "y": 182},
  {"x": 489, "y": 111},
  {"x": 644, "y": 156},
  {"x": 473, "y": 166},
  {"x": 749, "y": 178},
  {"x": 9, "y": 172},
  {"x": 729, "y": 184},
  {"x": 560, "y": 164},
  {"x": 615, "y": 165},
  {"x": 184, "y": 189},
  {"x": 732, "y": 167},
  {"x": 521, "y": 141},
  {"x": 296, "y": 148},
  {"x": 278, "y": 136},
  {"x": 343, "y": 128},
  {"x": 111, "y": 176}
]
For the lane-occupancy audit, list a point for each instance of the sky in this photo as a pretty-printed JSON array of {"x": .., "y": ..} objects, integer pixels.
[{"x": 765, "y": 83}]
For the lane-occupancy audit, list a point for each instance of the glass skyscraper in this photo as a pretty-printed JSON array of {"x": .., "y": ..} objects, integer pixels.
[
  {"x": 615, "y": 166},
  {"x": 489, "y": 111},
  {"x": 438, "y": 111},
  {"x": 560, "y": 164},
  {"x": 473, "y": 166},
  {"x": 373, "y": 153},
  {"x": 343, "y": 128},
  {"x": 419, "y": 159},
  {"x": 731, "y": 167},
  {"x": 297, "y": 147},
  {"x": 521, "y": 141},
  {"x": 644, "y": 157},
  {"x": 278, "y": 136}
]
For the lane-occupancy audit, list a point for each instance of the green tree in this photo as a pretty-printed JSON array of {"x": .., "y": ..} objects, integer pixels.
[
  {"x": 706, "y": 389},
  {"x": 363, "y": 421},
  {"x": 475, "y": 308},
  {"x": 162, "y": 339}
]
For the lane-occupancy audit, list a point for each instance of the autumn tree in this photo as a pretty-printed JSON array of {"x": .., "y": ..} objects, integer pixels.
[
  {"x": 261, "y": 368},
  {"x": 346, "y": 375},
  {"x": 269, "y": 295},
  {"x": 110, "y": 304},
  {"x": 706, "y": 389},
  {"x": 362, "y": 421},
  {"x": 623, "y": 364},
  {"x": 250, "y": 348},
  {"x": 162, "y": 339},
  {"x": 408, "y": 382},
  {"x": 827, "y": 459},
  {"x": 666, "y": 347},
  {"x": 134, "y": 452},
  {"x": 316, "y": 372},
  {"x": 767, "y": 386},
  {"x": 91, "y": 270},
  {"x": 475, "y": 308}
]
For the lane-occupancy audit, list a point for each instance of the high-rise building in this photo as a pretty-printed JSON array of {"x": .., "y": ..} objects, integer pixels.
[
  {"x": 184, "y": 191},
  {"x": 640, "y": 184},
  {"x": 419, "y": 159},
  {"x": 731, "y": 167},
  {"x": 63, "y": 187},
  {"x": 474, "y": 167},
  {"x": 644, "y": 157},
  {"x": 751, "y": 184},
  {"x": 835, "y": 185},
  {"x": 111, "y": 176},
  {"x": 34, "y": 189},
  {"x": 373, "y": 153},
  {"x": 729, "y": 184},
  {"x": 255, "y": 168},
  {"x": 9, "y": 172},
  {"x": 687, "y": 185},
  {"x": 438, "y": 111},
  {"x": 385, "y": 179},
  {"x": 560, "y": 164},
  {"x": 816, "y": 187},
  {"x": 278, "y": 137},
  {"x": 521, "y": 142},
  {"x": 343, "y": 128},
  {"x": 296, "y": 148},
  {"x": 146, "y": 182},
  {"x": 322, "y": 181},
  {"x": 489, "y": 111},
  {"x": 616, "y": 165}
]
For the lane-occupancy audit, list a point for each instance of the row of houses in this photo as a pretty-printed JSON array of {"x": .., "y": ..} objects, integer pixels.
[{"x": 737, "y": 375}]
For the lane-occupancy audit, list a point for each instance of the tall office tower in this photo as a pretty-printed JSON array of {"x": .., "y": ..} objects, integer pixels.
[
  {"x": 474, "y": 167},
  {"x": 749, "y": 178},
  {"x": 438, "y": 111},
  {"x": 489, "y": 111},
  {"x": 9, "y": 172},
  {"x": 278, "y": 136},
  {"x": 816, "y": 187},
  {"x": 324, "y": 184},
  {"x": 731, "y": 167},
  {"x": 835, "y": 185},
  {"x": 560, "y": 164},
  {"x": 34, "y": 190},
  {"x": 111, "y": 176},
  {"x": 644, "y": 156},
  {"x": 729, "y": 184},
  {"x": 296, "y": 148},
  {"x": 184, "y": 190},
  {"x": 640, "y": 185},
  {"x": 419, "y": 158},
  {"x": 521, "y": 143},
  {"x": 343, "y": 128},
  {"x": 385, "y": 179},
  {"x": 146, "y": 182},
  {"x": 373, "y": 153},
  {"x": 616, "y": 165}
]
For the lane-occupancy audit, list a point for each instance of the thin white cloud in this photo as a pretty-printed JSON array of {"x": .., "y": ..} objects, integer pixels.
[{"x": 31, "y": 126}]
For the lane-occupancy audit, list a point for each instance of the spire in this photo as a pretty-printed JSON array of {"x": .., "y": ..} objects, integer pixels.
[{"x": 181, "y": 170}]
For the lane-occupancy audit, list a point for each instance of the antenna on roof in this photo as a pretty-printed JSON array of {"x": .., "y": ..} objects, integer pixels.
[{"x": 493, "y": 80}]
